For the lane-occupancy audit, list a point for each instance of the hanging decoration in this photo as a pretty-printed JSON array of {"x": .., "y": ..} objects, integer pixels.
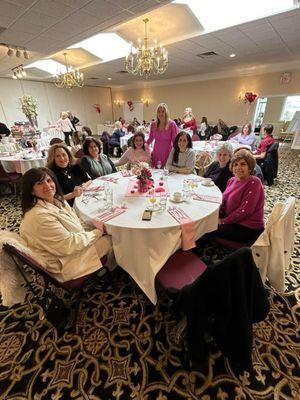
[
  {"x": 247, "y": 98},
  {"x": 130, "y": 105},
  {"x": 97, "y": 108}
]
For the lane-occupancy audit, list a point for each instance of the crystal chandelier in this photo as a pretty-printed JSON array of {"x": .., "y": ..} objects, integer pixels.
[
  {"x": 69, "y": 79},
  {"x": 147, "y": 60}
]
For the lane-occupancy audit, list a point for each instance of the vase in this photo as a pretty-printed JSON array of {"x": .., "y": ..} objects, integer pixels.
[
  {"x": 142, "y": 186},
  {"x": 33, "y": 121}
]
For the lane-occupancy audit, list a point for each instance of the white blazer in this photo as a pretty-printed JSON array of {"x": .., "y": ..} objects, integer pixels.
[
  {"x": 57, "y": 237},
  {"x": 273, "y": 249}
]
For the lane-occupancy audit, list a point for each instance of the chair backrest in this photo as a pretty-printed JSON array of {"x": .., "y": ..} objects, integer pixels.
[
  {"x": 55, "y": 141},
  {"x": 272, "y": 250},
  {"x": 269, "y": 165},
  {"x": 195, "y": 137}
]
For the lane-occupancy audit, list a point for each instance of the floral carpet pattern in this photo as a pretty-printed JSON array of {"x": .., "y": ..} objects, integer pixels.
[{"x": 123, "y": 347}]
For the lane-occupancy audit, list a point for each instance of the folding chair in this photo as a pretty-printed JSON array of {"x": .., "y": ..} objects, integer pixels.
[{"x": 54, "y": 309}]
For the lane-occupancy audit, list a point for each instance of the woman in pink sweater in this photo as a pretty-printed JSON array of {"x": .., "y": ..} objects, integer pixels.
[
  {"x": 137, "y": 153},
  {"x": 242, "y": 209}
]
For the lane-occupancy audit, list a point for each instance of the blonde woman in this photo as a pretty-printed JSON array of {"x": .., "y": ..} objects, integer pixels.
[
  {"x": 65, "y": 125},
  {"x": 189, "y": 121},
  {"x": 163, "y": 131}
]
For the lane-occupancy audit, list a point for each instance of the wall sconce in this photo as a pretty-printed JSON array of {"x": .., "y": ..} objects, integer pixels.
[
  {"x": 17, "y": 51},
  {"x": 18, "y": 72},
  {"x": 118, "y": 102},
  {"x": 145, "y": 101}
]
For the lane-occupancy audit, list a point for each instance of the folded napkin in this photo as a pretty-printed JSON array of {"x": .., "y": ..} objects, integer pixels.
[
  {"x": 187, "y": 226},
  {"x": 126, "y": 173},
  {"x": 94, "y": 188},
  {"x": 209, "y": 199},
  {"x": 109, "y": 179},
  {"x": 106, "y": 215}
]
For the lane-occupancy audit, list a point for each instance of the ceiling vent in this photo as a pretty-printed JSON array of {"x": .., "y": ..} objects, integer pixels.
[
  {"x": 92, "y": 78},
  {"x": 122, "y": 72},
  {"x": 207, "y": 54}
]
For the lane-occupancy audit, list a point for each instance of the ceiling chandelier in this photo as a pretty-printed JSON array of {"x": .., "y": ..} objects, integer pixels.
[
  {"x": 69, "y": 79},
  {"x": 147, "y": 60}
]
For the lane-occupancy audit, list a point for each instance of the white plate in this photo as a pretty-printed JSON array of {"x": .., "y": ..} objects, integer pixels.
[
  {"x": 208, "y": 184},
  {"x": 178, "y": 201}
]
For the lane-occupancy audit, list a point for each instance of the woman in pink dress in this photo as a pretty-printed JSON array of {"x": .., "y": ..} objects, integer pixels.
[{"x": 163, "y": 131}]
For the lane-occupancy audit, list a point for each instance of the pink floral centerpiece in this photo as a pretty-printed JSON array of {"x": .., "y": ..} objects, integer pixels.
[{"x": 144, "y": 176}]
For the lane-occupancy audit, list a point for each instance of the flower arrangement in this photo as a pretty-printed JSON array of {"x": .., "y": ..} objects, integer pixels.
[
  {"x": 29, "y": 106},
  {"x": 130, "y": 105},
  {"x": 142, "y": 172}
]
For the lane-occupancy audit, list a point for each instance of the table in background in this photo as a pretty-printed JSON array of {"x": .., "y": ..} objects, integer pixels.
[
  {"x": 17, "y": 163},
  {"x": 212, "y": 145},
  {"x": 143, "y": 247}
]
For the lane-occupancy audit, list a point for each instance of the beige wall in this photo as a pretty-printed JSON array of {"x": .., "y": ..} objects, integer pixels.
[
  {"x": 52, "y": 100},
  {"x": 214, "y": 98}
]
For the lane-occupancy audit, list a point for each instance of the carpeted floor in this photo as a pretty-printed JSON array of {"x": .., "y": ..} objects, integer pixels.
[{"x": 124, "y": 348}]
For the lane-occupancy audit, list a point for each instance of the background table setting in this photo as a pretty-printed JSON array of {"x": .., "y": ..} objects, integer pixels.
[
  {"x": 22, "y": 161},
  {"x": 211, "y": 146},
  {"x": 142, "y": 247}
]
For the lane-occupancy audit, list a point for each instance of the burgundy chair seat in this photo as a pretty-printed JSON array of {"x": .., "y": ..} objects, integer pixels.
[
  {"x": 181, "y": 269},
  {"x": 230, "y": 244}
]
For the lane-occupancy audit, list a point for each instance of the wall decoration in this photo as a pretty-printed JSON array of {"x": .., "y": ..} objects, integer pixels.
[
  {"x": 286, "y": 77},
  {"x": 130, "y": 105}
]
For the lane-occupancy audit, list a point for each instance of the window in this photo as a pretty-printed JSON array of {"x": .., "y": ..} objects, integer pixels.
[{"x": 290, "y": 106}]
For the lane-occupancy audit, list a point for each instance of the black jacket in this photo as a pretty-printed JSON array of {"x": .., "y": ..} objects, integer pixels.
[
  {"x": 219, "y": 175},
  {"x": 225, "y": 300},
  {"x": 4, "y": 130}
]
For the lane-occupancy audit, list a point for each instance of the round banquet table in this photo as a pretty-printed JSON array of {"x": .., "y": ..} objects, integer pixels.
[
  {"x": 17, "y": 163},
  {"x": 143, "y": 247},
  {"x": 211, "y": 146}
]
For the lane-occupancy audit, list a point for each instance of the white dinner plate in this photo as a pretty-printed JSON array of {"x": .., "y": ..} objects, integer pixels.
[{"x": 178, "y": 201}]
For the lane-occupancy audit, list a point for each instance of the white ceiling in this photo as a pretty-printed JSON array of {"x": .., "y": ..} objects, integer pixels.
[{"x": 46, "y": 27}]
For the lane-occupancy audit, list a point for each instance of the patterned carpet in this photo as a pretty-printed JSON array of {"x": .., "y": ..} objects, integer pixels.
[{"x": 124, "y": 346}]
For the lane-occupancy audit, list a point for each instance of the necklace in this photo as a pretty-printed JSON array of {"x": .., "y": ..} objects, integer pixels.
[{"x": 66, "y": 173}]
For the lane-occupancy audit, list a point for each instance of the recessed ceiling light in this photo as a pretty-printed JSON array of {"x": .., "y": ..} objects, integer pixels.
[
  {"x": 232, "y": 55},
  {"x": 109, "y": 79}
]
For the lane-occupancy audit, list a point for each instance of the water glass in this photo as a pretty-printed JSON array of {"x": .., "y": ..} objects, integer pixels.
[
  {"x": 163, "y": 201},
  {"x": 109, "y": 197},
  {"x": 186, "y": 189},
  {"x": 166, "y": 171},
  {"x": 158, "y": 165}
]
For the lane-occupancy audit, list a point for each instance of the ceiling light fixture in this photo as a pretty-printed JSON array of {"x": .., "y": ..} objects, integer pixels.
[
  {"x": 109, "y": 79},
  {"x": 18, "y": 72},
  {"x": 16, "y": 50},
  {"x": 69, "y": 79},
  {"x": 232, "y": 55},
  {"x": 10, "y": 52},
  {"x": 147, "y": 60}
]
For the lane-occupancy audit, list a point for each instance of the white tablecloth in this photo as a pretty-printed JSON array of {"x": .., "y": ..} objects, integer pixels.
[
  {"x": 52, "y": 133},
  {"x": 211, "y": 146},
  {"x": 20, "y": 165},
  {"x": 143, "y": 247},
  {"x": 11, "y": 147}
]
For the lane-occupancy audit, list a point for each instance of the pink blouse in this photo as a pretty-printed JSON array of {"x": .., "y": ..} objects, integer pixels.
[{"x": 133, "y": 156}]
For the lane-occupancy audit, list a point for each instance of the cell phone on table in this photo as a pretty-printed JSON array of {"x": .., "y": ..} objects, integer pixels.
[{"x": 147, "y": 214}]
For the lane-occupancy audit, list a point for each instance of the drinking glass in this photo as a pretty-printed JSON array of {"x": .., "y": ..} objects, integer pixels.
[
  {"x": 163, "y": 201},
  {"x": 109, "y": 197},
  {"x": 152, "y": 200},
  {"x": 158, "y": 165},
  {"x": 186, "y": 189}
]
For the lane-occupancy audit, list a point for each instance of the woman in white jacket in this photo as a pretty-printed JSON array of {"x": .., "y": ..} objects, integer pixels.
[
  {"x": 65, "y": 125},
  {"x": 53, "y": 231}
]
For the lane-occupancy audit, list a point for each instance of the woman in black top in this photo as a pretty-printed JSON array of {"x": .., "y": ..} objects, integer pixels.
[
  {"x": 70, "y": 176},
  {"x": 219, "y": 171}
]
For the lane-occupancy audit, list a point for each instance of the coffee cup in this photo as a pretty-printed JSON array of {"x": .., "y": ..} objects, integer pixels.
[
  {"x": 177, "y": 196},
  {"x": 207, "y": 181}
]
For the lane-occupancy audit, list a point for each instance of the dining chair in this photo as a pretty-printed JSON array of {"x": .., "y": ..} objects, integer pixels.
[
  {"x": 55, "y": 310},
  {"x": 10, "y": 178},
  {"x": 269, "y": 164}
]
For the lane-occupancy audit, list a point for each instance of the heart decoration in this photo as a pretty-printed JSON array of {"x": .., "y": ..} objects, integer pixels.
[{"x": 250, "y": 97}]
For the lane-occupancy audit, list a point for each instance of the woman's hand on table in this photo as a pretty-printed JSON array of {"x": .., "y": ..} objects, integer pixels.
[
  {"x": 77, "y": 191},
  {"x": 184, "y": 170}
]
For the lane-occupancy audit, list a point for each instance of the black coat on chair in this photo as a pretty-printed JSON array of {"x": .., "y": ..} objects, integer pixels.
[
  {"x": 269, "y": 165},
  {"x": 225, "y": 301}
]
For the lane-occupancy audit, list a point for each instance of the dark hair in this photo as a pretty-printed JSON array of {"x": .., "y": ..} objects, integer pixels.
[
  {"x": 140, "y": 134},
  {"x": 87, "y": 130},
  {"x": 176, "y": 147},
  {"x": 249, "y": 126},
  {"x": 87, "y": 142},
  {"x": 29, "y": 179},
  {"x": 269, "y": 129},
  {"x": 204, "y": 119}
]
